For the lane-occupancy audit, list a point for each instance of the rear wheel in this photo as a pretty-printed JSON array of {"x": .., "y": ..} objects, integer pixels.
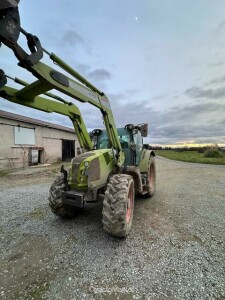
[
  {"x": 55, "y": 198},
  {"x": 118, "y": 205},
  {"x": 151, "y": 180}
]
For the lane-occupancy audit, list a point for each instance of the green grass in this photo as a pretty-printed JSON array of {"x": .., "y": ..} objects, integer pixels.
[
  {"x": 4, "y": 173},
  {"x": 55, "y": 168},
  {"x": 37, "y": 213},
  {"x": 191, "y": 156}
]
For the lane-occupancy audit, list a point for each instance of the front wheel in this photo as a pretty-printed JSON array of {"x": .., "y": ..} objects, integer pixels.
[
  {"x": 118, "y": 205},
  {"x": 55, "y": 198}
]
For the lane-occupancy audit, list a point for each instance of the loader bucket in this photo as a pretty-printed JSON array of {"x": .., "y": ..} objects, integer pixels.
[
  {"x": 8, "y": 3},
  {"x": 9, "y": 22}
]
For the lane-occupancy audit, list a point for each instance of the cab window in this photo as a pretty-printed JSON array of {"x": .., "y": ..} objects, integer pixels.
[{"x": 124, "y": 140}]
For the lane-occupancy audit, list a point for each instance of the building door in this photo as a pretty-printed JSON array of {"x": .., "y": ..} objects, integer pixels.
[
  {"x": 36, "y": 156},
  {"x": 68, "y": 149}
]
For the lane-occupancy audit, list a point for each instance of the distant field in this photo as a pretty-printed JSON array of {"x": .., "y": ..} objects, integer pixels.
[{"x": 190, "y": 156}]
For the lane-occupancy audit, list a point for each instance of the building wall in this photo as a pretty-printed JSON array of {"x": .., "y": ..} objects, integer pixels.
[{"x": 50, "y": 139}]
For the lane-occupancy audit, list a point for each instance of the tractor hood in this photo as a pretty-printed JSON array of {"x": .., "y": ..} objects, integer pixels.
[{"x": 91, "y": 169}]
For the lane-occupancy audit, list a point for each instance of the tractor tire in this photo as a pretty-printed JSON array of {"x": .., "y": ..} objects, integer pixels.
[
  {"x": 151, "y": 180},
  {"x": 55, "y": 198},
  {"x": 118, "y": 205}
]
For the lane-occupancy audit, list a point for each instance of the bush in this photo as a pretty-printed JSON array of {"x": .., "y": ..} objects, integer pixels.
[
  {"x": 213, "y": 151},
  {"x": 202, "y": 149}
]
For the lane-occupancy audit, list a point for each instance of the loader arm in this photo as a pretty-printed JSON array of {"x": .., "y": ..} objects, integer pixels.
[
  {"x": 48, "y": 78},
  {"x": 47, "y": 105}
]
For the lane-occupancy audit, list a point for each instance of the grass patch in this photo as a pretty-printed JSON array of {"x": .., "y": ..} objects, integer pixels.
[
  {"x": 191, "y": 156},
  {"x": 37, "y": 293},
  {"x": 37, "y": 213},
  {"x": 56, "y": 167},
  {"x": 4, "y": 173}
]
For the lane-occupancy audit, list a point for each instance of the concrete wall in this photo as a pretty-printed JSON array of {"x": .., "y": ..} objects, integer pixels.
[{"x": 16, "y": 156}]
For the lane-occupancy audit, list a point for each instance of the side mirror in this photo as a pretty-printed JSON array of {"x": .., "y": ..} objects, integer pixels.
[{"x": 143, "y": 129}]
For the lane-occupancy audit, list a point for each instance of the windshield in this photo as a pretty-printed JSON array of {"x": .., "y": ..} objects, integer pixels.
[{"x": 104, "y": 143}]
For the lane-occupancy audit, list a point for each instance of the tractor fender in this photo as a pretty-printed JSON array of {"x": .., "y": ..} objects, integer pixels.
[{"x": 147, "y": 156}]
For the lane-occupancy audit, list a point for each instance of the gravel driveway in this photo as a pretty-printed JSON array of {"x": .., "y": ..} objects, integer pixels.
[{"x": 174, "y": 251}]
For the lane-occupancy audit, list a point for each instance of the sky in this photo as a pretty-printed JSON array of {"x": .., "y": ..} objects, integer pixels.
[{"x": 159, "y": 62}]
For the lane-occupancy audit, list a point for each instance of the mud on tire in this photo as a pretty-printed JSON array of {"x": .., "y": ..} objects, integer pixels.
[
  {"x": 118, "y": 205},
  {"x": 151, "y": 179},
  {"x": 55, "y": 198}
]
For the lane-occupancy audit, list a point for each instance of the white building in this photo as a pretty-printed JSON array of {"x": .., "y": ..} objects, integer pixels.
[{"x": 25, "y": 141}]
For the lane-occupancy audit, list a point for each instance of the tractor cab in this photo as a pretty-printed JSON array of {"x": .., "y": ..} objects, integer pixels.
[{"x": 131, "y": 140}]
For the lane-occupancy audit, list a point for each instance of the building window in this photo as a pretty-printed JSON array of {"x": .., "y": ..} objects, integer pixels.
[{"x": 24, "y": 136}]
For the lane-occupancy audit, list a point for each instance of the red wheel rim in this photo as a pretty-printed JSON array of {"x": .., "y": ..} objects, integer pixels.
[{"x": 130, "y": 204}]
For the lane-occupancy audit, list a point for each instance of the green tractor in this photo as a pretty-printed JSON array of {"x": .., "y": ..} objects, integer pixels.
[
  {"x": 114, "y": 164},
  {"x": 138, "y": 177}
]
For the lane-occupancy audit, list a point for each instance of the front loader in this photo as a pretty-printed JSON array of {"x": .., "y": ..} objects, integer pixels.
[{"x": 114, "y": 166}]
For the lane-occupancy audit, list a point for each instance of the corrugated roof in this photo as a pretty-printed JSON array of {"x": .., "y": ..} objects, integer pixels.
[{"x": 12, "y": 116}]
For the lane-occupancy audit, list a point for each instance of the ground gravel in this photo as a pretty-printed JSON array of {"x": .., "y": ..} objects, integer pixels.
[{"x": 174, "y": 251}]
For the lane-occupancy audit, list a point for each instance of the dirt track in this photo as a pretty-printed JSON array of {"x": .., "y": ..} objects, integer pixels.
[{"x": 175, "y": 249}]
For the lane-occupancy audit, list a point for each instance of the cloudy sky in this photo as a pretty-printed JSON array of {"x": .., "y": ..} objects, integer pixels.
[{"x": 160, "y": 62}]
